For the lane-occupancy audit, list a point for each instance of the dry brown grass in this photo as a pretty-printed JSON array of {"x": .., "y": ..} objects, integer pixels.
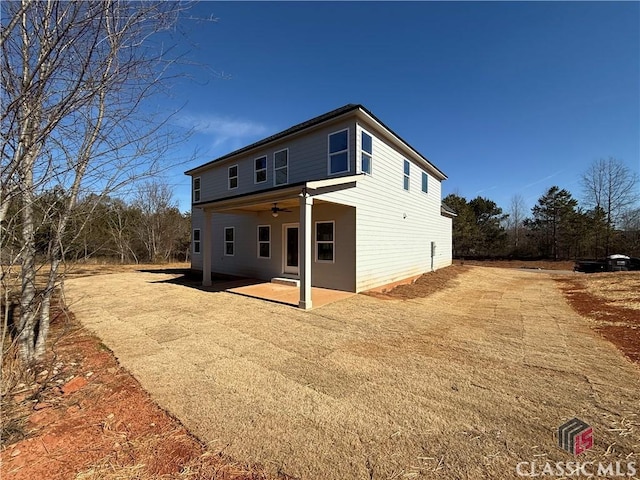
[
  {"x": 612, "y": 302},
  {"x": 616, "y": 289},
  {"x": 106, "y": 429},
  {"x": 464, "y": 383},
  {"x": 523, "y": 264}
]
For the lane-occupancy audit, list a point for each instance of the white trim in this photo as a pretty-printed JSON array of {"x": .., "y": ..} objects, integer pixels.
[
  {"x": 424, "y": 176},
  {"x": 332, "y": 242},
  {"x": 194, "y": 189},
  {"x": 330, "y": 153},
  {"x": 284, "y": 249},
  {"x": 232, "y": 242},
  {"x": 331, "y": 182},
  {"x": 280, "y": 168},
  {"x": 266, "y": 170},
  {"x": 194, "y": 241},
  {"x": 268, "y": 242},
  {"x": 229, "y": 177},
  {"x": 362, "y": 152}
]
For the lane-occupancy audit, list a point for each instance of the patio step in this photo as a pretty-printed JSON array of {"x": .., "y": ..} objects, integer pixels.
[{"x": 292, "y": 282}]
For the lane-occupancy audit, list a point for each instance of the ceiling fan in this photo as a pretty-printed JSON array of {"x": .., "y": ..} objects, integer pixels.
[{"x": 275, "y": 210}]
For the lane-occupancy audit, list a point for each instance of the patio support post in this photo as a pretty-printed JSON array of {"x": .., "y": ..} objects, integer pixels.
[
  {"x": 206, "y": 249},
  {"x": 306, "y": 204}
]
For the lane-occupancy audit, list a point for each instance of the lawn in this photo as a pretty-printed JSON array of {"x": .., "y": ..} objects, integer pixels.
[{"x": 463, "y": 383}]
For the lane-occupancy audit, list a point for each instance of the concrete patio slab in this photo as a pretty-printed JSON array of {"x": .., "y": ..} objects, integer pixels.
[{"x": 288, "y": 294}]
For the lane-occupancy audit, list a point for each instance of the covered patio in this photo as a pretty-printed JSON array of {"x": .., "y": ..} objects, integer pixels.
[{"x": 302, "y": 196}]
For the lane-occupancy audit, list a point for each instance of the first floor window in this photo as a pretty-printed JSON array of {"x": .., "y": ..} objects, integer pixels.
[
  {"x": 264, "y": 241},
  {"x": 233, "y": 177},
  {"x": 339, "y": 152},
  {"x": 196, "y": 189},
  {"x": 281, "y": 167},
  {"x": 367, "y": 152},
  {"x": 407, "y": 173},
  {"x": 425, "y": 183},
  {"x": 229, "y": 241},
  {"x": 325, "y": 241},
  {"x": 260, "y": 170},
  {"x": 196, "y": 240}
]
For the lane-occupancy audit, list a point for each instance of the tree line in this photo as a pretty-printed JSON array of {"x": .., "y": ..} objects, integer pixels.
[
  {"x": 559, "y": 226},
  {"x": 148, "y": 228}
]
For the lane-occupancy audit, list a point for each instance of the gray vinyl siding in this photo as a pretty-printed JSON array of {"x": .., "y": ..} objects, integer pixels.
[
  {"x": 308, "y": 160},
  {"x": 383, "y": 233},
  {"x": 339, "y": 275},
  {"x": 395, "y": 227}
]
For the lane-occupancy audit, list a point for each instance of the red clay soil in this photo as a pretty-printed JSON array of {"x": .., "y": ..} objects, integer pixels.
[
  {"x": 86, "y": 415},
  {"x": 619, "y": 325},
  {"x": 423, "y": 286}
]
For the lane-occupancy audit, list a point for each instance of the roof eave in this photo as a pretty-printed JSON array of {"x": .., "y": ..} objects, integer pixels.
[{"x": 289, "y": 132}]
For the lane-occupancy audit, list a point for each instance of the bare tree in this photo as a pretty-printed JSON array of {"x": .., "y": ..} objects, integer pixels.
[
  {"x": 517, "y": 214},
  {"x": 155, "y": 203},
  {"x": 609, "y": 186},
  {"x": 75, "y": 76}
]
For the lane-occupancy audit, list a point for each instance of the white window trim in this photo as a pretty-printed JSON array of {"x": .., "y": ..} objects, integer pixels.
[
  {"x": 404, "y": 175},
  {"x": 280, "y": 168},
  {"x": 422, "y": 177},
  {"x": 362, "y": 130},
  {"x": 262, "y": 241},
  {"x": 229, "y": 177},
  {"x": 233, "y": 242},
  {"x": 329, "y": 153},
  {"x": 266, "y": 169},
  {"x": 194, "y": 241},
  {"x": 333, "y": 242},
  {"x": 197, "y": 190}
]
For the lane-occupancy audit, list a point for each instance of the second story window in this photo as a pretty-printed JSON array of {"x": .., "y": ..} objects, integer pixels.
[
  {"x": 260, "y": 170},
  {"x": 367, "y": 152},
  {"x": 196, "y": 189},
  {"x": 425, "y": 182},
  {"x": 233, "y": 177},
  {"x": 407, "y": 174},
  {"x": 281, "y": 167},
  {"x": 339, "y": 152}
]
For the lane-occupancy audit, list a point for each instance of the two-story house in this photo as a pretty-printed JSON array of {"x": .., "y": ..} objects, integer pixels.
[{"x": 339, "y": 201}]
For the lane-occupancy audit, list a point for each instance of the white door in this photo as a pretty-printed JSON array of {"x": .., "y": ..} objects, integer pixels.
[{"x": 291, "y": 249}]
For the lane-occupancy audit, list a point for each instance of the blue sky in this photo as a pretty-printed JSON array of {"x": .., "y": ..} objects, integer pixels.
[{"x": 503, "y": 97}]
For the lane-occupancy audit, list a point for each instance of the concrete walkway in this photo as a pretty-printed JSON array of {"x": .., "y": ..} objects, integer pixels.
[{"x": 463, "y": 384}]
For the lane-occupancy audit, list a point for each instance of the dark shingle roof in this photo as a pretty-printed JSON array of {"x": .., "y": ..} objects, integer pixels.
[
  {"x": 310, "y": 123},
  {"x": 448, "y": 209},
  {"x": 296, "y": 128}
]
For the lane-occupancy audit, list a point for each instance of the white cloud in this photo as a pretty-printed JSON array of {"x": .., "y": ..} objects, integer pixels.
[{"x": 223, "y": 130}]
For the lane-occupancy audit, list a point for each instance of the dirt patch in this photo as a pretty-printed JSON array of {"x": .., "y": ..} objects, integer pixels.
[
  {"x": 86, "y": 417},
  {"x": 525, "y": 264},
  {"x": 611, "y": 301},
  {"x": 423, "y": 286}
]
